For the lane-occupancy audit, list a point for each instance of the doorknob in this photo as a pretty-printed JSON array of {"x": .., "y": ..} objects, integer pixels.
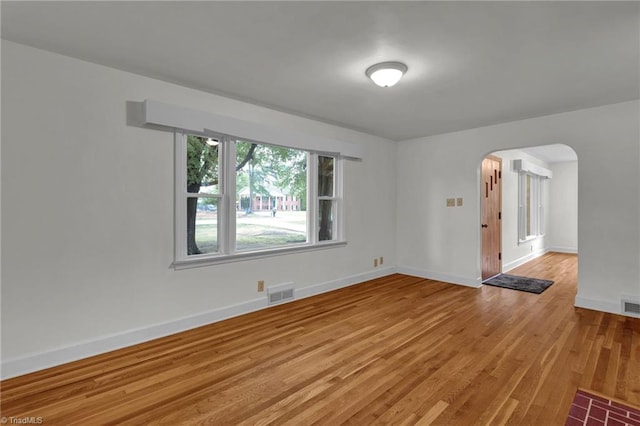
[{"x": 484, "y": 225}]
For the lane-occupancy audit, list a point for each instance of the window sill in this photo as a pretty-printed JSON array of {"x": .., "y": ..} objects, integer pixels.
[
  {"x": 530, "y": 238},
  {"x": 251, "y": 255}
]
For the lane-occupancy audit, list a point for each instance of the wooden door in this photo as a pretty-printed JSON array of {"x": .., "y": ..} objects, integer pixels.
[{"x": 491, "y": 217}]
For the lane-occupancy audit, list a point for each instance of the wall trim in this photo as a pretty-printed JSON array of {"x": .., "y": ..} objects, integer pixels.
[
  {"x": 524, "y": 259},
  {"x": 327, "y": 286},
  {"x": 610, "y": 306},
  {"x": 437, "y": 276},
  {"x": 571, "y": 250},
  {"x": 40, "y": 360}
]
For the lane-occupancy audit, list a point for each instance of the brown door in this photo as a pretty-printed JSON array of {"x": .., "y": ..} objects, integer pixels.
[{"x": 491, "y": 217}]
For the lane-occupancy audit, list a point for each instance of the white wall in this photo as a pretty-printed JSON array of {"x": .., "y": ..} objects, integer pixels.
[
  {"x": 445, "y": 243},
  {"x": 563, "y": 208},
  {"x": 87, "y": 215}
]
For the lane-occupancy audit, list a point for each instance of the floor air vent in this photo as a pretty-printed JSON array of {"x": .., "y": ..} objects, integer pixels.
[
  {"x": 280, "y": 293},
  {"x": 631, "y": 307}
]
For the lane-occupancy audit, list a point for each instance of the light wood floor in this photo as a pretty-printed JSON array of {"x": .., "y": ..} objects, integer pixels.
[{"x": 399, "y": 349}]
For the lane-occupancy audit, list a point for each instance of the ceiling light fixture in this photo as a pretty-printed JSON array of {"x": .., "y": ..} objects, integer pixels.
[
  {"x": 212, "y": 142},
  {"x": 386, "y": 74}
]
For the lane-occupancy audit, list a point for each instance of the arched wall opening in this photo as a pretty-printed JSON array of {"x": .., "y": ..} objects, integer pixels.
[{"x": 550, "y": 222}]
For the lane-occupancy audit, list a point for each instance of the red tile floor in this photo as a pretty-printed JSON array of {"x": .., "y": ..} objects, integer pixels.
[{"x": 593, "y": 410}]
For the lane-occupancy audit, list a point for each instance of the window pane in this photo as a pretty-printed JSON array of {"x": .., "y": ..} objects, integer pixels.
[
  {"x": 271, "y": 192},
  {"x": 202, "y": 225},
  {"x": 325, "y": 176},
  {"x": 202, "y": 165},
  {"x": 326, "y": 216}
]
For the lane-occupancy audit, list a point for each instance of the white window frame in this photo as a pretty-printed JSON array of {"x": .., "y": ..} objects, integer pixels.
[
  {"x": 336, "y": 198},
  {"x": 227, "y": 206},
  {"x": 536, "y": 218}
]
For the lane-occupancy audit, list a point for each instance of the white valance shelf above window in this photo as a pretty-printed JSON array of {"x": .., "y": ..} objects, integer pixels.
[
  {"x": 524, "y": 166},
  {"x": 202, "y": 123}
]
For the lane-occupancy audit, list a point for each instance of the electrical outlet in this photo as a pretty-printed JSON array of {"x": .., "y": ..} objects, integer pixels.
[
  {"x": 381, "y": 260},
  {"x": 451, "y": 202},
  {"x": 375, "y": 262},
  {"x": 459, "y": 201},
  {"x": 261, "y": 285}
]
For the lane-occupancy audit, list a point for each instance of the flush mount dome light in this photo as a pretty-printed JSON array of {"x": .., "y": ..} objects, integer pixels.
[{"x": 386, "y": 74}]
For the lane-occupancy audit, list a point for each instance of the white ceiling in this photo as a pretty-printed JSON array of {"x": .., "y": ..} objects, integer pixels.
[{"x": 470, "y": 64}]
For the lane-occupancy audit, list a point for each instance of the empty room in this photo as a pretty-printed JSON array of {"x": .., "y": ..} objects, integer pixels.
[{"x": 320, "y": 213}]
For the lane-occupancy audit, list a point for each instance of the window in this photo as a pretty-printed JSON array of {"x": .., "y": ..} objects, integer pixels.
[
  {"x": 532, "y": 180},
  {"x": 238, "y": 198},
  {"x": 268, "y": 180},
  {"x": 531, "y": 206},
  {"x": 327, "y": 201}
]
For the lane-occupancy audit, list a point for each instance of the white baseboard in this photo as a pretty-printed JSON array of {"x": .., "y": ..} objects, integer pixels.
[
  {"x": 613, "y": 307},
  {"x": 50, "y": 358},
  {"x": 514, "y": 264},
  {"x": 314, "y": 289},
  {"x": 506, "y": 267},
  {"x": 570, "y": 250},
  {"x": 430, "y": 275}
]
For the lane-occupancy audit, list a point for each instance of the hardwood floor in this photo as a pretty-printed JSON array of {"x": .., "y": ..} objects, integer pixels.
[{"x": 399, "y": 349}]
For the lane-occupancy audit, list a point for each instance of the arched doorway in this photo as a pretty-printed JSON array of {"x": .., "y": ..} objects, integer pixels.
[{"x": 537, "y": 207}]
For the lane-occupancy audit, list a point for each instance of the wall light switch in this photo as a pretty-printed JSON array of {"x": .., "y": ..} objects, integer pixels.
[
  {"x": 451, "y": 202},
  {"x": 459, "y": 201}
]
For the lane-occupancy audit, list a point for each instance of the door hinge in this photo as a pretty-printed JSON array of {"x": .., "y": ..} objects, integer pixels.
[
  {"x": 499, "y": 215},
  {"x": 500, "y": 256}
]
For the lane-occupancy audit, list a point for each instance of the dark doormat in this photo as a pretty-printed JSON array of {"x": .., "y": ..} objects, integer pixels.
[{"x": 514, "y": 282}]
